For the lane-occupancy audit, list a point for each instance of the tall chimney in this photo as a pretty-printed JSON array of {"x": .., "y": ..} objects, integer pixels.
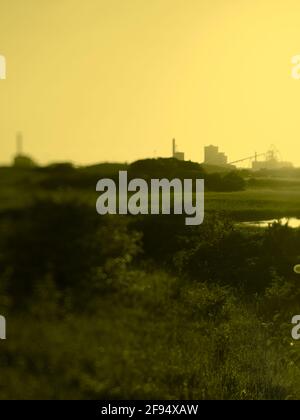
[
  {"x": 174, "y": 147},
  {"x": 19, "y": 143}
]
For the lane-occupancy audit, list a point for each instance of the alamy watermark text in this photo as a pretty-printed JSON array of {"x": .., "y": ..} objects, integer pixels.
[
  {"x": 157, "y": 196},
  {"x": 2, "y": 67},
  {"x": 2, "y": 328}
]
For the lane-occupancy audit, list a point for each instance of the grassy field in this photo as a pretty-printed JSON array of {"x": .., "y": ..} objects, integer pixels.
[
  {"x": 249, "y": 205},
  {"x": 20, "y": 190},
  {"x": 255, "y": 204},
  {"x": 144, "y": 308}
]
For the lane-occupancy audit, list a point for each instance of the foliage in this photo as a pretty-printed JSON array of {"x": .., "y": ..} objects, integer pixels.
[{"x": 120, "y": 307}]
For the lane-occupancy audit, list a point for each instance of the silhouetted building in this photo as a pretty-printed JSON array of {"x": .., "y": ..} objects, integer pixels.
[
  {"x": 21, "y": 160},
  {"x": 272, "y": 161},
  {"x": 176, "y": 154},
  {"x": 270, "y": 164},
  {"x": 212, "y": 156}
]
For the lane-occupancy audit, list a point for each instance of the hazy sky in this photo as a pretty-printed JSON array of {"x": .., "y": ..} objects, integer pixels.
[{"x": 116, "y": 80}]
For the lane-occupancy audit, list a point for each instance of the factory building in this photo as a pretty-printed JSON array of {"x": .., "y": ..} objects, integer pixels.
[
  {"x": 272, "y": 161},
  {"x": 212, "y": 156},
  {"x": 176, "y": 155},
  {"x": 270, "y": 164}
]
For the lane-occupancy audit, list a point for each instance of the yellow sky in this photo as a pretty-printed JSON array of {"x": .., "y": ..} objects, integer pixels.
[{"x": 116, "y": 80}]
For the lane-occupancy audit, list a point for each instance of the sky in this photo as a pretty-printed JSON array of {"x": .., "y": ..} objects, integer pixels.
[{"x": 116, "y": 80}]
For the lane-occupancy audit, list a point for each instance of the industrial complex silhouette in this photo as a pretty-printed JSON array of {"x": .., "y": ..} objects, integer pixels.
[
  {"x": 271, "y": 159},
  {"x": 213, "y": 157}
]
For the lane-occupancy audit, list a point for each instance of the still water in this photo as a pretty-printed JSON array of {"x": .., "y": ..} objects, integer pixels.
[{"x": 293, "y": 222}]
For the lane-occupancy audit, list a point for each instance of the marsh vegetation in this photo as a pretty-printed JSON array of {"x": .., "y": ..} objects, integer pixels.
[{"x": 145, "y": 307}]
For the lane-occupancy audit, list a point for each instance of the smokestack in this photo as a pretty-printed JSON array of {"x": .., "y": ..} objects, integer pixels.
[
  {"x": 174, "y": 147},
  {"x": 19, "y": 143}
]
